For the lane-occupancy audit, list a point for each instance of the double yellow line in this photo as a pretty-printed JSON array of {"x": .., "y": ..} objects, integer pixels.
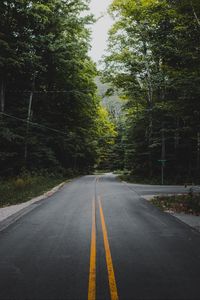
[
  {"x": 92, "y": 274},
  {"x": 110, "y": 269}
]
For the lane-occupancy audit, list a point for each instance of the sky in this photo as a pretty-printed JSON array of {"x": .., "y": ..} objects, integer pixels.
[{"x": 100, "y": 29}]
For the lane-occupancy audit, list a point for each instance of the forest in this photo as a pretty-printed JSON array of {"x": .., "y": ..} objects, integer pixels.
[
  {"x": 53, "y": 118},
  {"x": 153, "y": 60}
]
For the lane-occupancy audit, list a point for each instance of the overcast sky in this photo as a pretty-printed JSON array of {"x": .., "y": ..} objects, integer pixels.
[{"x": 100, "y": 29}]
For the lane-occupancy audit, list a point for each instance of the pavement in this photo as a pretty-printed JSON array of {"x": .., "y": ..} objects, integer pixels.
[
  {"x": 148, "y": 192},
  {"x": 98, "y": 238},
  {"x": 191, "y": 220}
]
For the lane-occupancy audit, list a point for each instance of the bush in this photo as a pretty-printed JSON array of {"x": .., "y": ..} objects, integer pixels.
[
  {"x": 193, "y": 201},
  {"x": 19, "y": 183}
]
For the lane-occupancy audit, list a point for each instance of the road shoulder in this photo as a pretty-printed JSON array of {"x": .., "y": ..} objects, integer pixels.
[
  {"x": 10, "y": 214},
  {"x": 189, "y": 219}
]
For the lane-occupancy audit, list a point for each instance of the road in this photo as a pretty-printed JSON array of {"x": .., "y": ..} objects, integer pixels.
[{"x": 98, "y": 239}]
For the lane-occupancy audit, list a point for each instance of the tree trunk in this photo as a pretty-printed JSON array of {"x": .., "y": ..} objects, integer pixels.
[
  {"x": 194, "y": 12},
  {"x": 2, "y": 96}
]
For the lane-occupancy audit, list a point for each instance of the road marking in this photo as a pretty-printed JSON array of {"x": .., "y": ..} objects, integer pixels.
[
  {"x": 92, "y": 274},
  {"x": 110, "y": 269}
]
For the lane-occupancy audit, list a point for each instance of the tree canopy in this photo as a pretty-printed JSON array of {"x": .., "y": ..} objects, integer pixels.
[
  {"x": 51, "y": 116},
  {"x": 50, "y": 111},
  {"x": 154, "y": 61}
]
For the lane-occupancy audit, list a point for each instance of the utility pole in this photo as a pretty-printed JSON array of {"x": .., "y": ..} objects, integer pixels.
[
  {"x": 28, "y": 119},
  {"x": 198, "y": 150},
  {"x": 162, "y": 154},
  {"x": 176, "y": 135},
  {"x": 2, "y": 96},
  {"x": 194, "y": 12}
]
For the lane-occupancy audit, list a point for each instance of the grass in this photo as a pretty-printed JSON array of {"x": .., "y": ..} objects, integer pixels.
[
  {"x": 187, "y": 203},
  {"x": 134, "y": 179},
  {"x": 25, "y": 187}
]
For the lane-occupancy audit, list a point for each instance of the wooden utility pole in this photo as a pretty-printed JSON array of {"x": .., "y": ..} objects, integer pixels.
[
  {"x": 28, "y": 120},
  {"x": 198, "y": 150},
  {"x": 2, "y": 96},
  {"x": 194, "y": 12},
  {"x": 163, "y": 154}
]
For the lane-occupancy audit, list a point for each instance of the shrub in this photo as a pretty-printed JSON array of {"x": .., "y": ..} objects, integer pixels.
[{"x": 19, "y": 183}]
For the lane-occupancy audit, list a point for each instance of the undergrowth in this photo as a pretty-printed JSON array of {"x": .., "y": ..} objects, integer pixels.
[
  {"x": 26, "y": 186},
  {"x": 187, "y": 203}
]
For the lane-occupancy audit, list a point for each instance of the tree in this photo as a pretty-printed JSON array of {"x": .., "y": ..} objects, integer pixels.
[
  {"x": 154, "y": 59},
  {"x": 48, "y": 96}
]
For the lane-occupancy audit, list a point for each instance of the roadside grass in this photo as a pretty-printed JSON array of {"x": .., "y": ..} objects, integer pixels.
[
  {"x": 186, "y": 203},
  {"x": 25, "y": 187},
  {"x": 125, "y": 176},
  {"x": 133, "y": 178}
]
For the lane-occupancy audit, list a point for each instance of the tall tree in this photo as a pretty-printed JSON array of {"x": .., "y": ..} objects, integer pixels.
[
  {"x": 49, "y": 106},
  {"x": 154, "y": 58}
]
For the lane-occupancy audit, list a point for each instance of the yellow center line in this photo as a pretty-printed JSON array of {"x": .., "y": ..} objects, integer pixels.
[
  {"x": 92, "y": 274},
  {"x": 110, "y": 269}
]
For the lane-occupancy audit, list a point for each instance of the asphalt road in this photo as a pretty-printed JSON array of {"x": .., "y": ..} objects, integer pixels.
[{"x": 98, "y": 239}]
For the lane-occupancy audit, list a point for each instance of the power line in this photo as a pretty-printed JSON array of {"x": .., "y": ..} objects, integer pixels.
[
  {"x": 33, "y": 123},
  {"x": 50, "y": 91},
  {"x": 46, "y": 127}
]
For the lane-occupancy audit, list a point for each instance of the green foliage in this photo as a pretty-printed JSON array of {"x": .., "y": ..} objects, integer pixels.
[
  {"x": 106, "y": 137},
  {"x": 15, "y": 191},
  {"x": 44, "y": 58},
  {"x": 153, "y": 60},
  {"x": 114, "y": 156}
]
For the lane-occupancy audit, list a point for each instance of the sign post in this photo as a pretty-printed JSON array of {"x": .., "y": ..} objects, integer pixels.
[
  {"x": 162, "y": 160},
  {"x": 162, "y": 169}
]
